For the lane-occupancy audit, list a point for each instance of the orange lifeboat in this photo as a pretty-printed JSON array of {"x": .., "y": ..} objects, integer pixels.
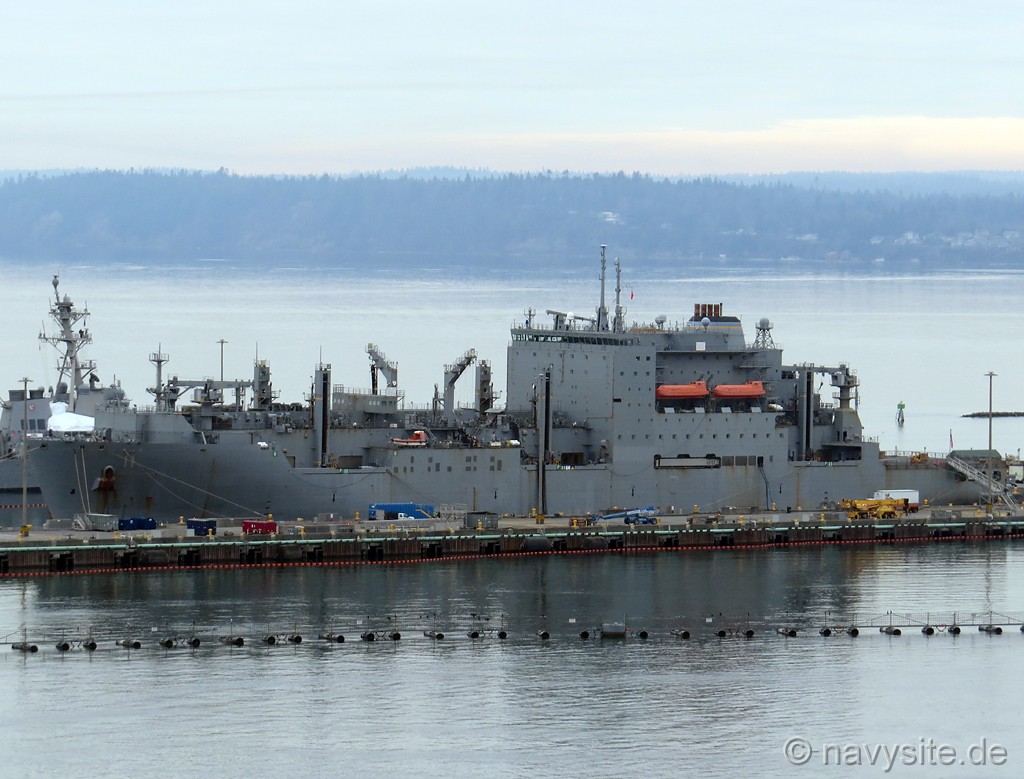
[
  {"x": 695, "y": 389},
  {"x": 752, "y": 389},
  {"x": 419, "y": 438}
]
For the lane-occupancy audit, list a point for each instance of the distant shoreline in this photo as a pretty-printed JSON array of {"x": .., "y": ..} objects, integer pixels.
[{"x": 985, "y": 414}]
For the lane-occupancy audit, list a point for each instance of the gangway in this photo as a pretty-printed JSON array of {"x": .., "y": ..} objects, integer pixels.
[{"x": 995, "y": 488}]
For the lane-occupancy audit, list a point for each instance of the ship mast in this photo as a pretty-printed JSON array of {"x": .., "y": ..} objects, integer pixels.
[
  {"x": 602, "y": 310},
  {"x": 158, "y": 358},
  {"x": 68, "y": 342},
  {"x": 617, "y": 325}
]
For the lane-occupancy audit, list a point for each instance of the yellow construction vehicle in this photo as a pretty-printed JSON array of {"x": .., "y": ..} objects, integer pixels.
[{"x": 874, "y": 508}]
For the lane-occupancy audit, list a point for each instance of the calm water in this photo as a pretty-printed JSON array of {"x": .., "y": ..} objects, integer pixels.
[{"x": 514, "y": 708}]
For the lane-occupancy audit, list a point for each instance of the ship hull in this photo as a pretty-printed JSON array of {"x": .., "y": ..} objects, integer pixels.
[{"x": 170, "y": 481}]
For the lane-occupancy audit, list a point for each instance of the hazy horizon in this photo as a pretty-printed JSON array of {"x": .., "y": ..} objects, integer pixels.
[{"x": 667, "y": 88}]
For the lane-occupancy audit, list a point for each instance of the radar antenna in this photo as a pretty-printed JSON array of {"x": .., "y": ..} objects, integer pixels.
[{"x": 763, "y": 339}]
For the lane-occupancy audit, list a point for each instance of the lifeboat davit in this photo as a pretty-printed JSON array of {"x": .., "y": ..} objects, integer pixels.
[
  {"x": 695, "y": 389},
  {"x": 751, "y": 389}
]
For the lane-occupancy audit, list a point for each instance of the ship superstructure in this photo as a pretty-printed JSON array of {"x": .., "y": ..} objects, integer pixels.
[{"x": 684, "y": 414}]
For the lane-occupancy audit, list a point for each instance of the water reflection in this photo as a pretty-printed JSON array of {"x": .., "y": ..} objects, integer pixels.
[
  {"x": 663, "y": 707},
  {"x": 562, "y": 594}
]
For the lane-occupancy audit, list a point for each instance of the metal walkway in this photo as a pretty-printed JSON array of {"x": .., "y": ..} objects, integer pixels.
[{"x": 992, "y": 487}]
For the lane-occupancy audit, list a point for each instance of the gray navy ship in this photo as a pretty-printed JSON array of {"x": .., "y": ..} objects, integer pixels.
[{"x": 597, "y": 414}]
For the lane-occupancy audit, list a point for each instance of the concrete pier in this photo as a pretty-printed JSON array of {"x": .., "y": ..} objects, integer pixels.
[{"x": 169, "y": 548}]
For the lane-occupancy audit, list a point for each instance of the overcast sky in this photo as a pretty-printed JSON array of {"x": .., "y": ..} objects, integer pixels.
[{"x": 674, "y": 87}]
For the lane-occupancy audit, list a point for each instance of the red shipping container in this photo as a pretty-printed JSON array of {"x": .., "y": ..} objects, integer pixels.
[{"x": 259, "y": 527}]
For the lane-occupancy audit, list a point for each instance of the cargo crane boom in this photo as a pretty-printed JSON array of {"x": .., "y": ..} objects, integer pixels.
[
  {"x": 378, "y": 362},
  {"x": 452, "y": 373}
]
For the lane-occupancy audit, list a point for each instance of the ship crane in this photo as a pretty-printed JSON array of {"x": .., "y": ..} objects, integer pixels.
[
  {"x": 485, "y": 395},
  {"x": 452, "y": 373},
  {"x": 378, "y": 362}
]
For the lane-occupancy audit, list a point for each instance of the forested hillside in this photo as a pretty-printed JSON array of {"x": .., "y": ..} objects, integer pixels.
[{"x": 158, "y": 216}]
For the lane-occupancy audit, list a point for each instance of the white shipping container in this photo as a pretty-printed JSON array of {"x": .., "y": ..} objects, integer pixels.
[{"x": 913, "y": 496}]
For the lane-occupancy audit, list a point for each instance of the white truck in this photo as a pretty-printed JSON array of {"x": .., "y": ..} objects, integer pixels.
[{"x": 913, "y": 497}]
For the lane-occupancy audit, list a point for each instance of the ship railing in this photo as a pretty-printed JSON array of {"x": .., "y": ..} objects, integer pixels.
[
  {"x": 532, "y": 325},
  {"x": 757, "y": 361},
  {"x": 860, "y": 439},
  {"x": 575, "y": 328},
  {"x": 914, "y": 455},
  {"x": 418, "y": 407},
  {"x": 391, "y": 392},
  {"x": 146, "y": 408}
]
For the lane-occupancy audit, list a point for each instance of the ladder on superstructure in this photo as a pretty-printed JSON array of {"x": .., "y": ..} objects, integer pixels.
[{"x": 994, "y": 488}]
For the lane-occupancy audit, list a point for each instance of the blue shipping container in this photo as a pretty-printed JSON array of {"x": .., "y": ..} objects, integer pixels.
[
  {"x": 392, "y": 510},
  {"x": 136, "y": 523},
  {"x": 202, "y": 527}
]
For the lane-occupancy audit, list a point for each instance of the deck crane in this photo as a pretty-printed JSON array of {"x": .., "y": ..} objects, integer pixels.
[
  {"x": 452, "y": 373},
  {"x": 378, "y": 362}
]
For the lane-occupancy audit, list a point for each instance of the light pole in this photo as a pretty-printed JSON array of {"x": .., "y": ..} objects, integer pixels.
[
  {"x": 222, "y": 342},
  {"x": 990, "y": 375},
  {"x": 24, "y": 452}
]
